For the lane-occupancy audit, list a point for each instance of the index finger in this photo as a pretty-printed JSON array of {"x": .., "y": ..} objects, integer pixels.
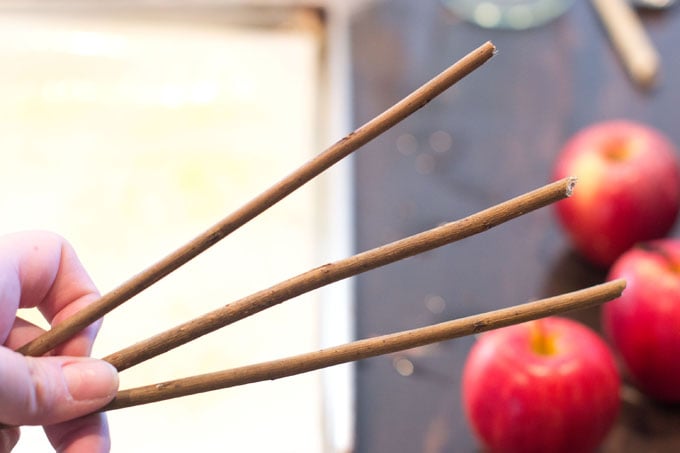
[{"x": 41, "y": 269}]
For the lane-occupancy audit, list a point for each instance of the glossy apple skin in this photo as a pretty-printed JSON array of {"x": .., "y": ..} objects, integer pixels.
[
  {"x": 517, "y": 400},
  {"x": 643, "y": 325},
  {"x": 628, "y": 188}
]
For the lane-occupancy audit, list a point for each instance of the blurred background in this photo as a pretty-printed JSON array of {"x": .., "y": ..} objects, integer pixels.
[{"x": 131, "y": 127}]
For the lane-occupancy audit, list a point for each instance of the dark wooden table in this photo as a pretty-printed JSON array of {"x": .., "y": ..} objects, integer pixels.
[{"x": 492, "y": 136}]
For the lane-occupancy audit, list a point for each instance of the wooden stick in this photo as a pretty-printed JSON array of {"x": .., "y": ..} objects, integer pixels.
[
  {"x": 339, "y": 270},
  {"x": 371, "y": 347},
  {"x": 630, "y": 40},
  {"x": 61, "y": 332}
]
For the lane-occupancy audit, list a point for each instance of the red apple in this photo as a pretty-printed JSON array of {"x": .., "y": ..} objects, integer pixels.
[
  {"x": 643, "y": 325},
  {"x": 628, "y": 188},
  {"x": 545, "y": 386}
]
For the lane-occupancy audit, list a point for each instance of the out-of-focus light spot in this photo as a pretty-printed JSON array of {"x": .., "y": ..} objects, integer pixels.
[
  {"x": 435, "y": 304},
  {"x": 403, "y": 366},
  {"x": 440, "y": 141},
  {"x": 425, "y": 164},
  {"x": 487, "y": 14},
  {"x": 407, "y": 144}
]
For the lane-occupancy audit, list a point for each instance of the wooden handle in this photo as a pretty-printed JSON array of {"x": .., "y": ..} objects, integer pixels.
[{"x": 631, "y": 41}]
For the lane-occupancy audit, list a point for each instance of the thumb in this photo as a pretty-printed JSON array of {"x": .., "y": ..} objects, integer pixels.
[{"x": 49, "y": 390}]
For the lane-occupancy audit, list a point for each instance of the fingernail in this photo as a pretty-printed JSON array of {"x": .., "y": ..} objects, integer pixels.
[{"x": 90, "y": 379}]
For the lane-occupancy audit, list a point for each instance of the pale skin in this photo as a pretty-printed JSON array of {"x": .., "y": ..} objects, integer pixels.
[{"x": 41, "y": 270}]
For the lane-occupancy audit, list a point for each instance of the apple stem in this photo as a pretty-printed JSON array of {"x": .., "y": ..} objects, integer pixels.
[
  {"x": 653, "y": 248},
  {"x": 541, "y": 342},
  {"x": 617, "y": 150}
]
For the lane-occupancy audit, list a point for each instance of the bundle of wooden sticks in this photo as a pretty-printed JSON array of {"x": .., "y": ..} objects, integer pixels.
[{"x": 323, "y": 275}]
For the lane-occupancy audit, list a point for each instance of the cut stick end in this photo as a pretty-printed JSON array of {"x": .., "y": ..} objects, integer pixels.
[
  {"x": 646, "y": 76},
  {"x": 571, "y": 182},
  {"x": 494, "y": 49},
  {"x": 489, "y": 49},
  {"x": 619, "y": 285}
]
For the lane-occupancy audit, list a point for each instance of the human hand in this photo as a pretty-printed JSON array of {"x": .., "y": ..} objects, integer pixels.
[{"x": 39, "y": 269}]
